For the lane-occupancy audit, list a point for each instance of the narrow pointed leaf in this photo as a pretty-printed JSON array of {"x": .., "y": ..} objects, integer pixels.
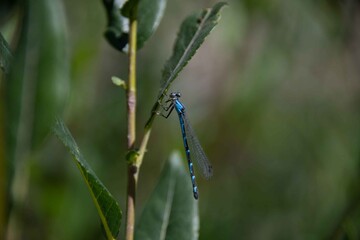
[
  {"x": 108, "y": 209},
  {"x": 53, "y": 70},
  {"x": 192, "y": 34},
  {"x": 37, "y": 86},
  {"x": 171, "y": 212},
  {"x": 149, "y": 15},
  {"x": 5, "y": 55}
]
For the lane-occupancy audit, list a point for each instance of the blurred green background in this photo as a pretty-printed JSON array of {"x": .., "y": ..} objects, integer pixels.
[{"x": 273, "y": 95}]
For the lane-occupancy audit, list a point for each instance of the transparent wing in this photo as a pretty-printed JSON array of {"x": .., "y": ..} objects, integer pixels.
[{"x": 196, "y": 151}]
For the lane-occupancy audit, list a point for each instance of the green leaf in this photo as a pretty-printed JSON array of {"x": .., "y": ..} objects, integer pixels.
[
  {"x": 192, "y": 34},
  {"x": 117, "y": 30},
  {"x": 37, "y": 87},
  {"x": 108, "y": 209},
  {"x": 118, "y": 82},
  {"x": 171, "y": 212},
  {"x": 53, "y": 70},
  {"x": 5, "y": 55},
  {"x": 149, "y": 14}
]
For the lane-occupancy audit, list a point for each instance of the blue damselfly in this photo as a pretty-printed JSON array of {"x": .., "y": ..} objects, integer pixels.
[{"x": 191, "y": 143}]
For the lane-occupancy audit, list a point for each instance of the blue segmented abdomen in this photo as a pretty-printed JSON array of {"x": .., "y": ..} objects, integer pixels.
[{"x": 180, "y": 108}]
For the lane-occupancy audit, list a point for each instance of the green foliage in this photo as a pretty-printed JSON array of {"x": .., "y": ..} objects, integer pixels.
[
  {"x": 280, "y": 89},
  {"x": 115, "y": 31},
  {"x": 37, "y": 89},
  {"x": 5, "y": 55},
  {"x": 149, "y": 14},
  {"x": 108, "y": 209},
  {"x": 171, "y": 212},
  {"x": 38, "y": 82},
  {"x": 192, "y": 34},
  {"x": 119, "y": 82}
]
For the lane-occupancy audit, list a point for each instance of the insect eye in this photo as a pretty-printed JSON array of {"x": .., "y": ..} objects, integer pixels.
[{"x": 178, "y": 94}]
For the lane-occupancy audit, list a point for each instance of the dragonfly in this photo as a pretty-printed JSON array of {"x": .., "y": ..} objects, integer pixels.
[{"x": 191, "y": 142}]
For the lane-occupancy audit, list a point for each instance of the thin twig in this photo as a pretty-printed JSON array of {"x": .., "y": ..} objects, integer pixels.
[{"x": 131, "y": 107}]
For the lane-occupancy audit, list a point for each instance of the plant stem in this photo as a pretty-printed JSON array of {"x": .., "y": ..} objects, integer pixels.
[
  {"x": 147, "y": 132},
  {"x": 131, "y": 107}
]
